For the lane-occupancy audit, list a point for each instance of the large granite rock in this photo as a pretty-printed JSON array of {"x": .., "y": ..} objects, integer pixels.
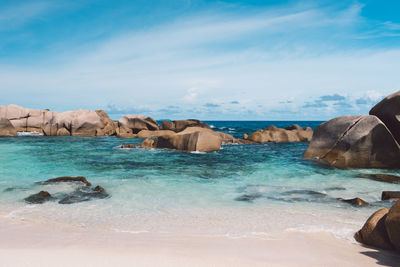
[
  {"x": 6, "y": 128},
  {"x": 180, "y": 125},
  {"x": 388, "y": 111},
  {"x": 293, "y": 133},
  {"x": 393, "y": 225},
  {"x": 354, "y": 141},
  {"x": 374, "y": 233},
  {"x": 76, "y": 122},
  {"x": 137, "y": 123},
  {"x": 197, "y": 139},
  {"x": 390, "y": 195}
]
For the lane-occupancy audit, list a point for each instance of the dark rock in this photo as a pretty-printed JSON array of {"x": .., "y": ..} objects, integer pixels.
[
  {"x": 354, "y": 201},
  {"x": 67, "y": 179},
  {"x": 248, "y": 197},
  {"x": 39, "y": 198},
  {"x": 304, "y": 192},
  {"x": 387, "y": 178},
  {"x": 392, "y": 223},
  {"x": 388, "y": 111},
  {"x": 128, "y": 146},
  {"x": 335, "y": 188},
  {"x": 374, "y": 233},
  {"x": 390, "y": 195},
  {"x": 356, "y": 142},
  {"x": 84, "y": 194}
]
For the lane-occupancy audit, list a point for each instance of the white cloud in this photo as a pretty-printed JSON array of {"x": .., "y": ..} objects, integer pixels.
[{"x": 259, "y": 59}]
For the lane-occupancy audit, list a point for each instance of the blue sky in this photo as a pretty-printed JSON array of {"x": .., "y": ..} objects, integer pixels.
[{"x": 236, "y": 60}]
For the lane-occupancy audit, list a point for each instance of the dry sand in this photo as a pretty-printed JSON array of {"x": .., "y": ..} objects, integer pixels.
[{"x": 25, "y": 243}]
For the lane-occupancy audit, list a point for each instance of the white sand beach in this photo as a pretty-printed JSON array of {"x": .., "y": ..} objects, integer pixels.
[{"x": 30, "y": 244}]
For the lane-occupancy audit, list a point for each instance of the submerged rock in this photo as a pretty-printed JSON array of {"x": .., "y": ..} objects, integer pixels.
[
  {"x": 354, "y": 201},
  {"x": 392, "y": 223},
  {"x": 39, "y": 198},
  {"x": 390, "y": 195},
  {"x": 84, "y": 194},
  {"x": 374, "y": 233},
  {"x": 387, "y": 178},
  {"x": 67, "y": 179},
  {"x": 249, "y": 197},
  {"x": 354, "y": 141},
  {"x": 128, "y": 146}
]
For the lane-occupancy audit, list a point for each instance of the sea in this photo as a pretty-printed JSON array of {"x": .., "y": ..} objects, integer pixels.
[{"x": 243, "y": 190}]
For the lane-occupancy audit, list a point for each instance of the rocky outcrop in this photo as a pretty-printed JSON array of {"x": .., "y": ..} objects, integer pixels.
[
  {"x": 76, "y": 122},
  {"x": 374, "y": 233},
  {"x": 354, "y": 141},
  {"x": 390, "y": 195},
  {"x": 354, "y": 201},
  {"x": 293, "y": 133},
  {"x": 6, "y": 128},
  {"x": 388, "y": 111},
  {"x": 180, "y": 125},
  {"x": 392, "y": 223},
  {"x": 39, "y": 198},
  {"x": 137, "y": 123}
]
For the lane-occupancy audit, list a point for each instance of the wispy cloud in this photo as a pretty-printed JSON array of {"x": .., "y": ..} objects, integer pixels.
[{"x": 266, "y": 59}]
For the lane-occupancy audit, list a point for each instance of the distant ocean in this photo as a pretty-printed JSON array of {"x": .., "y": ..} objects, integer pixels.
[{"x": 239, "y": 191}]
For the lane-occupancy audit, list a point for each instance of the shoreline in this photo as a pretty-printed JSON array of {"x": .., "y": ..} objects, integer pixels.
[{"x": 26, "y": 243}]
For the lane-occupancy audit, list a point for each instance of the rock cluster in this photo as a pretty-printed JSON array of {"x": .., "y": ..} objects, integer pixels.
[
  {"x": 81, "y": 194},
  {"x": 76, "y": 122},
  {"x": 382, "y": 229},
  {"x": 293, "y": 133},
  {"x": 367, "y": 141}
]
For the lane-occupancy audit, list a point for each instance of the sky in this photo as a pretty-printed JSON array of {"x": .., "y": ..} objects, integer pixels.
[{"x": 210, "y": 60}]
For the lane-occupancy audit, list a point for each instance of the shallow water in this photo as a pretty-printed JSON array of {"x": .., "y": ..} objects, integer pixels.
[{"x": 241, "y": 190}]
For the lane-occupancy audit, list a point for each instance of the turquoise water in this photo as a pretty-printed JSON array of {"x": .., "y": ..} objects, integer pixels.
[{"x": 241, "y": 190}]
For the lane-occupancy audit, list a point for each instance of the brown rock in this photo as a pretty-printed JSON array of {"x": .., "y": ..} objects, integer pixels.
[
  {"x": 390, "y": 195},
  {"x": 245, "y": 136},
  {"x": 6, "y": 128},
  {"x": 63, "y": 132},
  {"x": 147, "y": 143},
  {"x": 393, "y": 225},
  {"x": 191, "y": 139},
  {"x": 68, "y": 179},
  {"x": 123, "y": 132},
  {"x": 356, "y": 142},
  {"x": 354, "y": 201},
  {"x": 373, "y": 233},
  {"x": 109, "y": 126},
  {"x": 148, "y": 133},
  {"x": 274, "y": 134}
]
